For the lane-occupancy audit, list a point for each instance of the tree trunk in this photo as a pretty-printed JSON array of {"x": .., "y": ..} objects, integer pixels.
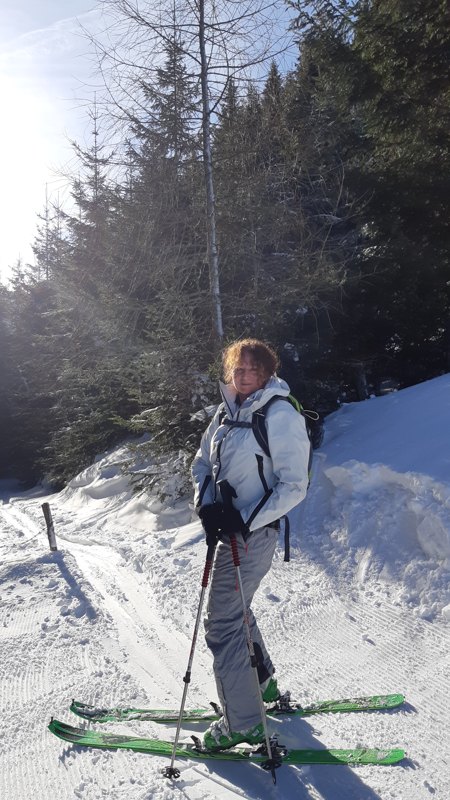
[{"x": 213, "y": 255}]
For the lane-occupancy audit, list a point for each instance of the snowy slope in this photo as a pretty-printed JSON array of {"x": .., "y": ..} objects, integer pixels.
[{"x": 363, "y": 607}]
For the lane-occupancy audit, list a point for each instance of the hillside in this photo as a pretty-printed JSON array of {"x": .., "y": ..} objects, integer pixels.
[{"x": 363, "y": 607}]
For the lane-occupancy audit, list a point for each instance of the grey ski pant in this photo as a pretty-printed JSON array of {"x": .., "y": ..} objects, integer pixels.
[{"x": 225, "y": 632}]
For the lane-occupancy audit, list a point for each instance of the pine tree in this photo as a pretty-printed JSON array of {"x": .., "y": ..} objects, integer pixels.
[
  {"x": 277, "y": 213},
  {"x": 51, "y": 245},
  {"x": 92, "y": 226},
  {"x": 380, "y": 80},
  {"x": 166, "y": 233},
  {"x": 403, "y": 95}
]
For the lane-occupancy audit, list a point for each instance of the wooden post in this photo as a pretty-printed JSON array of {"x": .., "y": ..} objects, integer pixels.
[{"x": 50, "y": 528}]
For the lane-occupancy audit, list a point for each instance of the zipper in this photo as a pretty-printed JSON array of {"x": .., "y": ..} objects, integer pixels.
[
  {"x": 260, "y": 460},
  {"x": 219, "y": 447}
]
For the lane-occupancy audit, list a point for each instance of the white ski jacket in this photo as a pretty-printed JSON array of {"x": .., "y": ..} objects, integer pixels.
[{"x": 266, "y": 487}]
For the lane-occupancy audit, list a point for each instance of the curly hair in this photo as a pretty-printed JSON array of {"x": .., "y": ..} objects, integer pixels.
[{"x": 260, "y": 353}]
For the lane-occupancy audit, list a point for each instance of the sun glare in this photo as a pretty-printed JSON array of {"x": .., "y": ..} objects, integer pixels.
[{"x": 25, "y": 148}]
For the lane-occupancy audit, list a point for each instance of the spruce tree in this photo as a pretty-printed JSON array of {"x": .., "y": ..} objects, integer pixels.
[
  {"x": 380, "y": 78},
  {"x": 403, "y": 96}
]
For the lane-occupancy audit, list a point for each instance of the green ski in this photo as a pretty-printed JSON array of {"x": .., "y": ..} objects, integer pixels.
[
  {"x": 102, "y": 714},
  {"x": 156, "y": 747}
]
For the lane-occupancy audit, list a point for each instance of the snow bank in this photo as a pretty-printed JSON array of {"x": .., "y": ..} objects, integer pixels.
[
  {"x": 378, "y": 510},
  {"x": 379, "y": 505}
]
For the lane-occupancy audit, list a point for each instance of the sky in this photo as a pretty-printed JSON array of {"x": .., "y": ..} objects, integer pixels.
[
  {"x": 48, "y": 80},
  {"x": 46, "y": 73}
]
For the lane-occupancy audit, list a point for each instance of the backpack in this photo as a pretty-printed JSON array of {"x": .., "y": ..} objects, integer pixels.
[
  {"x": 314, "y": 429},
  {"x": 314, "y": 426}
]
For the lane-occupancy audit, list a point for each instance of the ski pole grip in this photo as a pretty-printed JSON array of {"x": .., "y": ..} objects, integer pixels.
[
  {"x": 208, "y": 565},
  {"x": 206, "y": 572},
  {"x": 227, "y": 492},
  {"x": 235, "y": 551}
]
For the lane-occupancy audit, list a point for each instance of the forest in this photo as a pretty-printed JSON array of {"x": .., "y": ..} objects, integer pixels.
[{"x": 231, "y": 196}]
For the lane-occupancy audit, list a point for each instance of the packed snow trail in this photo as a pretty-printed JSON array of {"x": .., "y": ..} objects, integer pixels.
[
  {"x": 352, "y": 633},
  {"x": 363, "y": 607}
]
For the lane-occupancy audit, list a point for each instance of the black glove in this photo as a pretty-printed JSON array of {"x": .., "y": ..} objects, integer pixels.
[
  {"x": 232, "y": 522},
  {"x": 211, "y": 516}
]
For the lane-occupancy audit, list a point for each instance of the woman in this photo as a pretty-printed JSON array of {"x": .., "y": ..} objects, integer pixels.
[{"x": 264, "y": 489}]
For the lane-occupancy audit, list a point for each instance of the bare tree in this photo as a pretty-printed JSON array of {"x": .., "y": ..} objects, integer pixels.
[{"x": 221, "y": 40}]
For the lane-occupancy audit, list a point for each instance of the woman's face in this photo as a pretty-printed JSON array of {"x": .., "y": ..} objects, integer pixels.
[{"x": 248, "y": 377}]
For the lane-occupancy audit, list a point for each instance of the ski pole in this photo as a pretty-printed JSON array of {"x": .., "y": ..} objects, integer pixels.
[
  {"x": 227, "y": 492},
  {"x": 171, "y": 771}
]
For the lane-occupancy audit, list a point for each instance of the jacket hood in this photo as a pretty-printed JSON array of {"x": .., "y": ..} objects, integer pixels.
[{"x": 274, "y": 386}]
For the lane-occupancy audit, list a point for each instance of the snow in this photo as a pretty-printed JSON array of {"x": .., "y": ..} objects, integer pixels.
[{"x": 363, "y": 607}]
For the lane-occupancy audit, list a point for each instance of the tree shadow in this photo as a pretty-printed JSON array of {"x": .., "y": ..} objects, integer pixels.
[
  {"x": 14, "y": 489},
  {"x": 57, "y": 558}
]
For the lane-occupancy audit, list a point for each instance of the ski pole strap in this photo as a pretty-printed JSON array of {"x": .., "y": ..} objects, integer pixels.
[{"x": 287, "y": 545}]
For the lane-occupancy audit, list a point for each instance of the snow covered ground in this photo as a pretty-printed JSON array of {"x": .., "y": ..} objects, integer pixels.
[{"x": 363, "y": 607}]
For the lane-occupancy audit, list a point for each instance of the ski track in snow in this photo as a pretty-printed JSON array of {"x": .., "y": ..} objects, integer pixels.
[
  {"x": 113, "y": 625},
  {"x": 109, "y": 618}
]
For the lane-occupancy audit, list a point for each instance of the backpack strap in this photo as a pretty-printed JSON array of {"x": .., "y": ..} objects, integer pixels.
[
  {"x": 235, "y": 423},
  {"x": 260, "y": 433},
  {"x": 259, "y": 424}
]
